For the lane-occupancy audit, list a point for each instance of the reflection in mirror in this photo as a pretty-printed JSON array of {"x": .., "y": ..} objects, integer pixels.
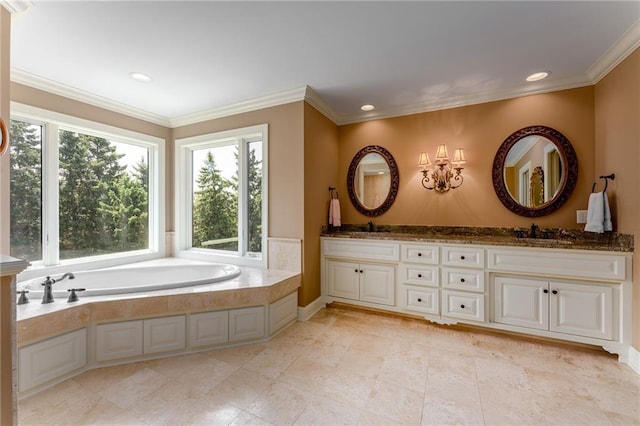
[
  {"x": 535, "y": 171},
  {"x": 373, "y": 180}
]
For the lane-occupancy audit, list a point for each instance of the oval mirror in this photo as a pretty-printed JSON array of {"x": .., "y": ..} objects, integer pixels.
[
  {"x": 373, "y": 180},
  {"x": 535, "y": 171}
]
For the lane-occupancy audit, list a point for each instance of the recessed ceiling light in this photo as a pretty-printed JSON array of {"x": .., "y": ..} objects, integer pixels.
[
  {"x": 538, "y": 76},
  {"x": 138, "y": 76},
  {"x": 367, "y": 107}
]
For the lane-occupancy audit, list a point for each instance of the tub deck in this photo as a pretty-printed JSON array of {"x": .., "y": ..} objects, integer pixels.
[{"x": 254, "y": 286}]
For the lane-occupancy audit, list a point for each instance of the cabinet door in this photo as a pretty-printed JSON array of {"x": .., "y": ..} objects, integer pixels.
[
  {"x": 581, "y": 309},
  {"x": 377, "y": 284},
  {"x": 521, "y": 302},
  {"x": 343, "y": 279}
]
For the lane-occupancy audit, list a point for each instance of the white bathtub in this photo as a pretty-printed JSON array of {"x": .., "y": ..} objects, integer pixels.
[{"x": 135, "y": 278}]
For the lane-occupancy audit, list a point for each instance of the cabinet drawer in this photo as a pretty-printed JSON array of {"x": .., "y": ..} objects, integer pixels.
[
  {"x": 463, "y": 279},
  {"x": 467, "y": 306},
  {"x": 418, "y": 275},
  {"x": 424, "y": 300},
  {"x": 556, "y": 262},
  {"x": 420, "y": 254},
  {"x": 363, "y": 249},
  {"x": 472, "y": 257}
]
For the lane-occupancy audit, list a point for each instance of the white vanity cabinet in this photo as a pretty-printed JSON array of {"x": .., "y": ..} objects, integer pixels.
[
  {"x": 568, "y": 294},
  {"x": 361, "y": 271}
]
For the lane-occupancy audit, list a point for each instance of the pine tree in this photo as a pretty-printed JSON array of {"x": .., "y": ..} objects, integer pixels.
[
  {"x": 215, "y": 208},
  {"x": 26, "y": 190}
]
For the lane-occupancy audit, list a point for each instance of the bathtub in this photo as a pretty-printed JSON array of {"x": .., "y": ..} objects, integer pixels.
[{"x": 142, "y": 277}]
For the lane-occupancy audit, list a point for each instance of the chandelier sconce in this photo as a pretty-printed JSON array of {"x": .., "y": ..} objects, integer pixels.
[{"x": 445, "y": 175}]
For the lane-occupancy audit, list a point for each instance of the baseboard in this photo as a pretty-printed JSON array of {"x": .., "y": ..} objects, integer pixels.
[
  {"x": 306, "y": 312},
  {"x": 634, "y": 359}
]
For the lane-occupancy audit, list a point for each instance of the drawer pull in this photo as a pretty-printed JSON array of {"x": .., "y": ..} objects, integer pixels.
[
  {"x": 461, "y": 280},
  {"x": 419, "y": 254},
  {"x": 554, "y": 291},
  {"x": 419, "y": 300},
  {"x": 419, "y": 275},
  {"x": 462, "y": 306},
  {"x": 545, "y": 291},
  {"x": 461, "y": 257}
]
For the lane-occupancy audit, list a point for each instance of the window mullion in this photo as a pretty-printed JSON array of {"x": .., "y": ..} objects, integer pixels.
[
  {"x": 50, "y": 195},
  {"x": 243, "y": 210}
]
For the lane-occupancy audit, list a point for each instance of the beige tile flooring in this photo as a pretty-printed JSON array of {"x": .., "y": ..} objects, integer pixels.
[{"x": 351, "y": 367}]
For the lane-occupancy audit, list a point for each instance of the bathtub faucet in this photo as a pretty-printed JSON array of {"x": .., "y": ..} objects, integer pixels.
[{"x": 47, "y": 297}]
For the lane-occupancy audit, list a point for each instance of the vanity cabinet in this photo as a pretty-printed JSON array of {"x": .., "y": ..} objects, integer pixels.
[
  {"x": 361, "y": 272},
  {"x": 563, "y": 307},
  {"x": 568, "y": 294},
  {"x": 366, "y": 282}
]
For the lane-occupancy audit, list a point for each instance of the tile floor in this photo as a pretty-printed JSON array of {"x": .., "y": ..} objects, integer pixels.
[{"x": 353, "y": 367}]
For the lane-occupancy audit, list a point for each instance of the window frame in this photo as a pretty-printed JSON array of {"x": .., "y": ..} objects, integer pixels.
[
  {"x": 52, "y": 122},
  {"x": 184, "y": 148}
]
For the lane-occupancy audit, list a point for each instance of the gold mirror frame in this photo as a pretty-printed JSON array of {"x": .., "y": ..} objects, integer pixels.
[
  {"x": 567, "y": 184},
  {"x": 393, "y": 187}
]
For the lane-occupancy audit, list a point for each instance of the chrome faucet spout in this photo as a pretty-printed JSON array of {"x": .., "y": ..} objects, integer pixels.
[
  {"x": 534, "y": 231},
  {"x": 47, "y": 296}
]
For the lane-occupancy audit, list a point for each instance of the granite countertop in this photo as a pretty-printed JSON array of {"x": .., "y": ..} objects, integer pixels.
[{"x": 546, "y": 238}]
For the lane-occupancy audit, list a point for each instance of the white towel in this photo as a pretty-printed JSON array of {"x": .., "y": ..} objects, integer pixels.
[
  {"x": 598, "y": 213},
  {"x": 334, "y": 212}
]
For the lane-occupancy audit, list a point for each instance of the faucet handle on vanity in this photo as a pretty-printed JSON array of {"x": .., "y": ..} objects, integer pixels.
[{"x": 73, "y": 297}]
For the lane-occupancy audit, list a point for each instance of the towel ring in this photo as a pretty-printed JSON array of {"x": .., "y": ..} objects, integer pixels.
[{"x": 606, "y": 178}]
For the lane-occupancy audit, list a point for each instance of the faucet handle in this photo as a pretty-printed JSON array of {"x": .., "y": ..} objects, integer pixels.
[
  {"x": 73, "y": 297},
  {"x": 23, "y": 299}
]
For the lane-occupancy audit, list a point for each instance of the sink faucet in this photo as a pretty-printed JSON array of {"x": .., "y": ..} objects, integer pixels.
[
  {"x": 370, "y": 223},
  {"x": 47, "y": 297},
  {"x": 533, "y": 233}
]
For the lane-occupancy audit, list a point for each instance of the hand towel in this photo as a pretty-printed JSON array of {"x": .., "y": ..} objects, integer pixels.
[
  {"x": 598, "y": 213},
  {"x": 334, "y": 212}
]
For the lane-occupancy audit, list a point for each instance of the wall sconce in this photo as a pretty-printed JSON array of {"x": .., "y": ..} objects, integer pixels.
[{"x": 442, "y": 178}]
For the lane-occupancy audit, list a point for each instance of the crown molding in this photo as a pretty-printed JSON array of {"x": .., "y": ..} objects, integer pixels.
[
  {"x": 267, "y": 101},
  {"x": 466, "y": 100},
  {"x": 313, "y": 99},
  {"x": 21, "y": 77},
  {"x": 623, "y": 47},
  {"x": 16, "y": 6}
]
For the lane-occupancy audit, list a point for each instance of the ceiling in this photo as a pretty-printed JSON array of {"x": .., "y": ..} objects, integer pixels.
[{"x": 208, "y": 58}]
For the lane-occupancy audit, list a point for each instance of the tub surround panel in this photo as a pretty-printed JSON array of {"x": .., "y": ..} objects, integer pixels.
[
  {"x": 253, "y": 287},
  {"x": 556, "y": 237},
  {"x": 285, "y": 254}
]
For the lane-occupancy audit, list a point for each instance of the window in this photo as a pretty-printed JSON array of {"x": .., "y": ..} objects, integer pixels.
[
  {"x": 221, "y": 195},
  {"x": 82, "y": 192}
]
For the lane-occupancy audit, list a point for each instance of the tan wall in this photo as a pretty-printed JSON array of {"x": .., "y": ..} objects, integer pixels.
[
  {"x": 480, "y": 130},
  {"x": 285, "y": 160},
  {"x": 320, "y": 172},
  {"x": 5, "y": 99},
  {"x": 617, "y": 150}
]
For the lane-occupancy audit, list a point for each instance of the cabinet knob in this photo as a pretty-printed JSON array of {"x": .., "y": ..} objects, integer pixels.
[
  {"x": 419, "y": 254},
  {"x": 461, "y": 280},
  {"x": 462, "y": 306},
  {"x": 545, "y": 291},
  {"x": 419, "y": 275},
  {"x": 461, "y": 257},
  {"x": 554, "y": 291},
  {"x": 356, "y": 271},
  {"x": 361, "y": 271},
  {"x": 419, "y": 300}
]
